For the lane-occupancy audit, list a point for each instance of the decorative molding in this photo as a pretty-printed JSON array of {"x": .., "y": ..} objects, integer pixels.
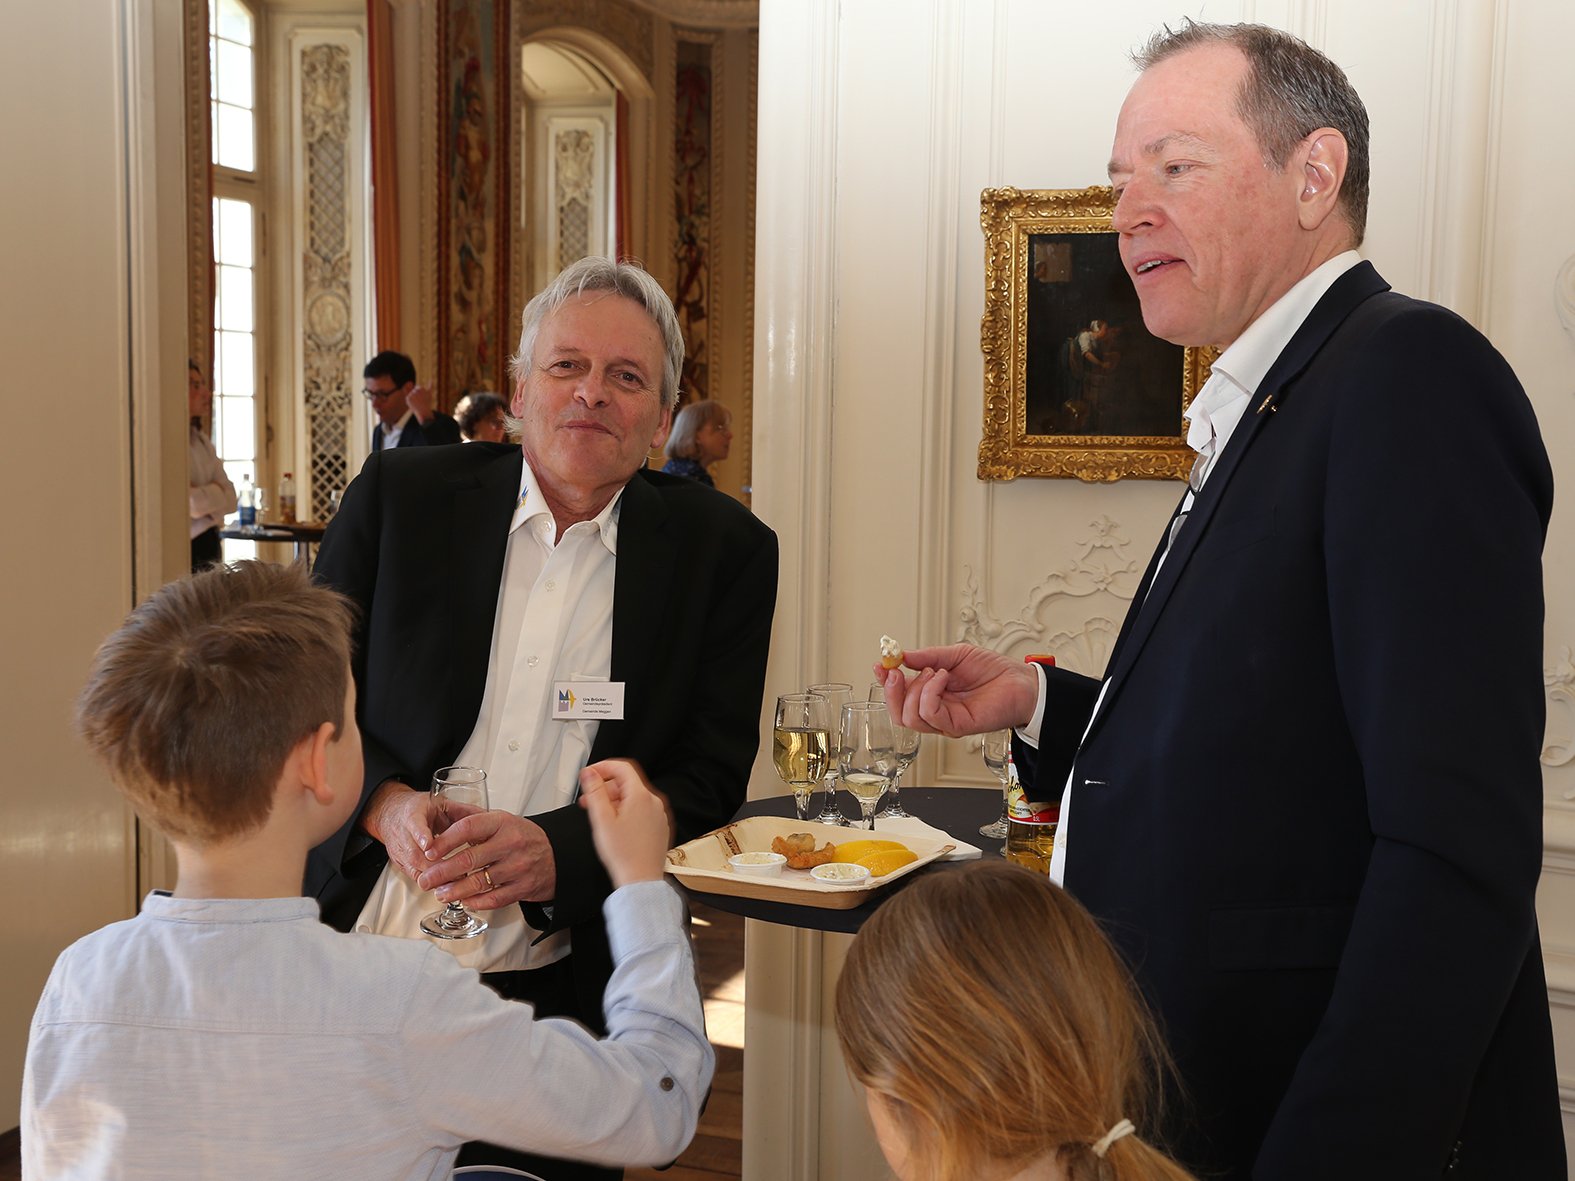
[
  {"x": 631, "y": 30},
  {"x": 574, "y": 184},
  {"x": 1102, "y": 567},
  {"x": 327, "y": 302},
  {"x": 712, "y": 14},
  {"x": 1564, "y": 295},
  {"x": 1560, "y": 682},
  {"x": 747, "y": 385},
  {"x": 474, "y": 157},
  {"x": 427, "y": 150},
  {"x": 696, "y": 189},
  {"x": 199, "y": 190},
  {"x": 717, "y": 201}
]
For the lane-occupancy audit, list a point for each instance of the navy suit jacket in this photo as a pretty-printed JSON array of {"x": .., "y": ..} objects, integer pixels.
[
  {"x": 437, "y": 430},
  {"x": 1309, "y": 810},
  {"x": 419, "y": 545}
]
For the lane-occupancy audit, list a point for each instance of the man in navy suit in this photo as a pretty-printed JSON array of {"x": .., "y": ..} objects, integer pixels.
[
  {"x": 405, "y": 416},
  {"x": 1305, "y": 799},
  {"x": 529, "y": 610}
]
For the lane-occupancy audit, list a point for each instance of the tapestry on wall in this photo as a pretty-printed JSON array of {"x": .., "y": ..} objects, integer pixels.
[
  {"x": 473, "y": 119},
  {"x": 692, "y": 199}
]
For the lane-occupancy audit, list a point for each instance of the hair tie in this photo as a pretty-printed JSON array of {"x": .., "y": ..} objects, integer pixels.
[{"x": 1102, "y": 1145}]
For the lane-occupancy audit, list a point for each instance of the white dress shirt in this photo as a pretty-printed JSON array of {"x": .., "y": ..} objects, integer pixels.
[
  {"x": 226, "y": 1037},
  {"x": 553, "y": 623},
  {"x": 211, "y": 495},
  {"x": 391, "y": 434},
  {"x": 1213, "y": 416}
]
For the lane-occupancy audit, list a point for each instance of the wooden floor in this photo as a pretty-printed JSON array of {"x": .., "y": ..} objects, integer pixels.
[{"x": 717, "y": 1151}]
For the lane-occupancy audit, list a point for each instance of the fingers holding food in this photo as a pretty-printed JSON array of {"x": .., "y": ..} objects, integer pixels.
[{"x": 890, "y": 653}]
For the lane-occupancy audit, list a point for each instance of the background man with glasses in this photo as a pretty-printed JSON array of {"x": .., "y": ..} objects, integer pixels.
[
  {"x": 1306, "y": 798},
  {"x": 405, "y": 417}
]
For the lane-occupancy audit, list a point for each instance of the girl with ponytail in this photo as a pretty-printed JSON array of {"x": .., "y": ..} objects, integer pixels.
[{"x": 998, "y": 1036}]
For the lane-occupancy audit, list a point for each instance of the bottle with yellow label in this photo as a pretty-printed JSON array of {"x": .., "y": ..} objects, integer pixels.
[{"x": 1030, "y": 826}]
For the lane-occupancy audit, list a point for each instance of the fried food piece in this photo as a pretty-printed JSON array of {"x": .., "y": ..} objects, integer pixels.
[
  {"x": 799, "y": 849},
  {"x": 890, "y": 653}
]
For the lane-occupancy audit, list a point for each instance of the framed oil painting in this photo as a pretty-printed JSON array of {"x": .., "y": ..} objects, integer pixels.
[{"x": 1074, "y": 384}]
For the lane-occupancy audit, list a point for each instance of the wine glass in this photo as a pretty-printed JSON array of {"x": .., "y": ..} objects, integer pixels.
[
  {"x": 997, "y": 749},
  {"x": 867, "y": 758},
  {"x": 799, "y": 743},
  {"x": 905, "y": 745},
  {"x": 456, "y": 792},
  {"x": 837, "y": 694}
]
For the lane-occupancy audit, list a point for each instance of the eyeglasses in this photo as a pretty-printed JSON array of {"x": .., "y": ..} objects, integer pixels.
[
  {"x": 374, "y": 395},
  {"x": 1200, "y": 469}
]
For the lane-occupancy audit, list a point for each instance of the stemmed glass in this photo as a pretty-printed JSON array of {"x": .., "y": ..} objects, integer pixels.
[
  {"x": 457, "y": 792},
  {"x": 997, "y": 749},
  {"x": 868, "y": 760},
  {"x": 798, "y": 744},
  {"x": 837, "y": 694},
  {"x": 905, "y": 745}
]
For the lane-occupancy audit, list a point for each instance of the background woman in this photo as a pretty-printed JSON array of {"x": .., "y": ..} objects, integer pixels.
[
  {"x": 702, "y": 435},
  {"x": 997, "y": 1035}
]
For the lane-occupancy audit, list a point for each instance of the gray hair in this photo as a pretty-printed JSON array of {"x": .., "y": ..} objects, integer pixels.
[
  {"x": 1289, "y": 92},
  {"x": 682, "y": 443},
  {"x": 628, "y": 279}
]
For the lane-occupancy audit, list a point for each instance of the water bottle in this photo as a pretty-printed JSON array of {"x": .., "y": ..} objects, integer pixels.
[
  {"x": 248, "y": 504},
  {"x": 287, "y": 499}
]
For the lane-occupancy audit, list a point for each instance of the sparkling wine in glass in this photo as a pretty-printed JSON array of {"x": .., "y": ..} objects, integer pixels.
[
  {"x": 868, "y": 760},
  {"x": 457, "y": 792},
  {"x": 837, "y": 694},
  {"x": 799, "y": 743},
  {"x": 997, "y": 749},
  {"x": 905, "y": 744}
]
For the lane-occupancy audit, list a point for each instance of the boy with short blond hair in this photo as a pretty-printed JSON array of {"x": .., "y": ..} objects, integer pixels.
[{"x": 225, "y": 1030}]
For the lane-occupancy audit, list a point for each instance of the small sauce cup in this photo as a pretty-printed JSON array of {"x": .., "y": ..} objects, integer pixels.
[
  {"x": 760, "y": 865},
  {"x": 841, "y": 873}
]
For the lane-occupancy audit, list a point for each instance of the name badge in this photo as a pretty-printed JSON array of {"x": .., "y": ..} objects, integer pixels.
[{"x": 573, "y": 700}]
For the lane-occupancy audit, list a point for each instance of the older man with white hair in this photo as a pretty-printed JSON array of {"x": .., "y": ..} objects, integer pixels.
[{"x": 532, "y": 609}]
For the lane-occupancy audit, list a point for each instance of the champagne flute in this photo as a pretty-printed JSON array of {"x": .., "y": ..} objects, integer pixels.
[
  {"x": 837, "y": 694},
  {"x": 867, "y": 758},
  {"x": 905, "y": 744},
  {"x": 997, "y": 749},
  {"x": 457, "y": 792},
  {"x": 799, "y": 743}
]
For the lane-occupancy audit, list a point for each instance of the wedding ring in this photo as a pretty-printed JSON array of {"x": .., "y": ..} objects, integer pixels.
[{"x": 486, "y": 872}]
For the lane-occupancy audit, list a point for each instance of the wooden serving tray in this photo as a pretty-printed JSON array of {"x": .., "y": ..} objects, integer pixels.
[{"x": 701, "y": 864}]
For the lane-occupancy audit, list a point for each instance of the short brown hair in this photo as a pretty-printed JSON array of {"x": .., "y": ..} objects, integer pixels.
[
  {"x": 197, "y": 699},
  {"x": 998, "y": 1026},
  {"x": 1289, "y": 92}
]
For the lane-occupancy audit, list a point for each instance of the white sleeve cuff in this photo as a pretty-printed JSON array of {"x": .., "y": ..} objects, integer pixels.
[{"x": 1030, "y": 732}]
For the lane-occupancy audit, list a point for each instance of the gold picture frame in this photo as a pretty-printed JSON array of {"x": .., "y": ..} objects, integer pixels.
[{"x": 1074, "y": 385}]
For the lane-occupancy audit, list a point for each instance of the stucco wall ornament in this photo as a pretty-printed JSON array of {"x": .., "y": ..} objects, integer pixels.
[
  {"x": 1564, "y": 295},
  {"x": 1074, "y": 613},
  {"x": 325, "y": 270},
  {"x": 1560, "y": 681}
]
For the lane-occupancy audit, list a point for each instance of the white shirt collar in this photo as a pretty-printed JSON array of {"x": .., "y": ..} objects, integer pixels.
[
  {"x": 531, "y": 504},
  {"x": 395, "y": 428},
  {"x": 1235, "y": 376}
]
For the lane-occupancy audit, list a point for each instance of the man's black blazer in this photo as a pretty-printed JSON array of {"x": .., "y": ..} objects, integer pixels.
[
  {"x": 436, "y": 431},
  {"x": 1309, "y": 810},
  {"x": 419, "y": 544}
]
